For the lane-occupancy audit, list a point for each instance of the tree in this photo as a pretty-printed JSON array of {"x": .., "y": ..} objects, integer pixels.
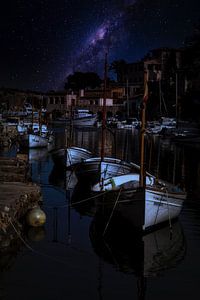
[
  {"x": 80, "y": 80},
  {"x": 119, "y": 68}
]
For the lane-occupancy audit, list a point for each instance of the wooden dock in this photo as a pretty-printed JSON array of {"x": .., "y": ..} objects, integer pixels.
[{"x": 17, "y": 193}]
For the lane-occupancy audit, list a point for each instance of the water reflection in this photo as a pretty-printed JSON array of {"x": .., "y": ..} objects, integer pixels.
[
  {"x": 144, "y": 256},
  {"x": 11, "y": 242},
  {"x": 36, "y": 234},
  {"x": 130, "y": 252}
]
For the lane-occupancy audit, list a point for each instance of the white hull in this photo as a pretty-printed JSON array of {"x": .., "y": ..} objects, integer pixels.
[
  {"x": 36, "y": 141},
  {"x": 92, "y": 169},
  {"x": 163, "y": 201},
  {"x": 161, "y": 206},
  {"x": 85, "y": 121},
  {"x": 76, "y": 155}
]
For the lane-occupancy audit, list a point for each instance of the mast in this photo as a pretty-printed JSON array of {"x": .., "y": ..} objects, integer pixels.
[
  {"x": 104, "y": 109},
  {"x": 40, "y": 118},
  {"x": 142, "y": 132},
  {"x": 32, "y": 117},
  {"x": 127, "y": 98},
  {"x": 177, "y": 116}
]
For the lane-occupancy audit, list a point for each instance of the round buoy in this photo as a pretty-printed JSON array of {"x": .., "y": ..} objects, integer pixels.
[{"x": 36, "y": 217}]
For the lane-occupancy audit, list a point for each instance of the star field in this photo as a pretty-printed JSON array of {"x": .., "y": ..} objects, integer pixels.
[{"x": 44, "y": 41}]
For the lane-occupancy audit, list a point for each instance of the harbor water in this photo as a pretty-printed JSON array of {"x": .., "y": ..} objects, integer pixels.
[{"x": 67, "y": 258}]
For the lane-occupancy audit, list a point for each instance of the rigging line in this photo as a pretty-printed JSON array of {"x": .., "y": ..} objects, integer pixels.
[
  {"x": 110, "y": 251},
  {"x": 159, "y": 204},
  {"x": 112, "y": 211},
  {"x": 87, "y": 199}
]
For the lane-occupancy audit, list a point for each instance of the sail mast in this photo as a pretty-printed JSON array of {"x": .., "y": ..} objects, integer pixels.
[
  {"x": 142, "y": 132},
  {"x": 104, "y": 110}
]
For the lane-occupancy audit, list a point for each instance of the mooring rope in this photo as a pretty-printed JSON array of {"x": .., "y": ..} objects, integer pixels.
[
  {"x": 112, "y": 211},
  {"x": 78, "y": 202}
]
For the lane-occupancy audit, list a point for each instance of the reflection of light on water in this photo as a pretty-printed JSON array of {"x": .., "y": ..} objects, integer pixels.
[{"x": 37, "y": 154}]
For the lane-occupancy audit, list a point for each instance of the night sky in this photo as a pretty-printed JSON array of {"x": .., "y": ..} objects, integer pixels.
[{"x": 43, "y": 41}]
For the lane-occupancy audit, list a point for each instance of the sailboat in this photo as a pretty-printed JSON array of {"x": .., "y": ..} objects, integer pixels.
[{"x": 162, "y": 201}]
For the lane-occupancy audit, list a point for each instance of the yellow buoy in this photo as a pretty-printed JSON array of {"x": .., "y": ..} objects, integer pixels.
[{"x": 36, "y": 217}]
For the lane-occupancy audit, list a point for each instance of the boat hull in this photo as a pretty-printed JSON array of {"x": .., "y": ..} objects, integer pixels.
[
  {"x": 92, "y": 170},
  {"x": 76, "y": 155},
  {"x": 162, "y": 201},
  {"x": 85, "y": 121},
  {"x": 70, "y": 156},
  {"x": 161, "y": 206},
  {"x": 33, "y": 141},
  {"x": 143, "y": 212}
]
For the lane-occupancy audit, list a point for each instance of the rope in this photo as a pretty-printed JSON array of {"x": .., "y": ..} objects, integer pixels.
[
  {"x": 112, "y": 211},
  {"x": 169, "y": 217},
  {"x": 87, "y": 199}
]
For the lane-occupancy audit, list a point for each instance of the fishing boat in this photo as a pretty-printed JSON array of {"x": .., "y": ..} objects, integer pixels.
[
  {"x": 162, "y": 201},
  {"x": 82, "y": 117},
  {"x": 76, "y": 155},
  {"x": 35, "y": 140},
  {"x": 153, "y": 128},
  {"x": 78, "y": 117},
  {"x": 35, "y": 134},
  {"x": 70, "y": 156},
  {"x": 91, "y": 170}
]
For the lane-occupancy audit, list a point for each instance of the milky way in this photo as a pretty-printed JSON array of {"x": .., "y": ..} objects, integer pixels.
[
  {"x": 43, "y": 41},
  {"x": 132, "y": 29},
  {"x": 108, "y": 35}
]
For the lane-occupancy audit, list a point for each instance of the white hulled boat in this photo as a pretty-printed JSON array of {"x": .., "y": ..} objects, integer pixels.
[
  {"x": 161, "y": 200},
  {"x": 70, "y": 156},
  {"x": 83, "y": 117},
  {"x": 94, "y": 169}
]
